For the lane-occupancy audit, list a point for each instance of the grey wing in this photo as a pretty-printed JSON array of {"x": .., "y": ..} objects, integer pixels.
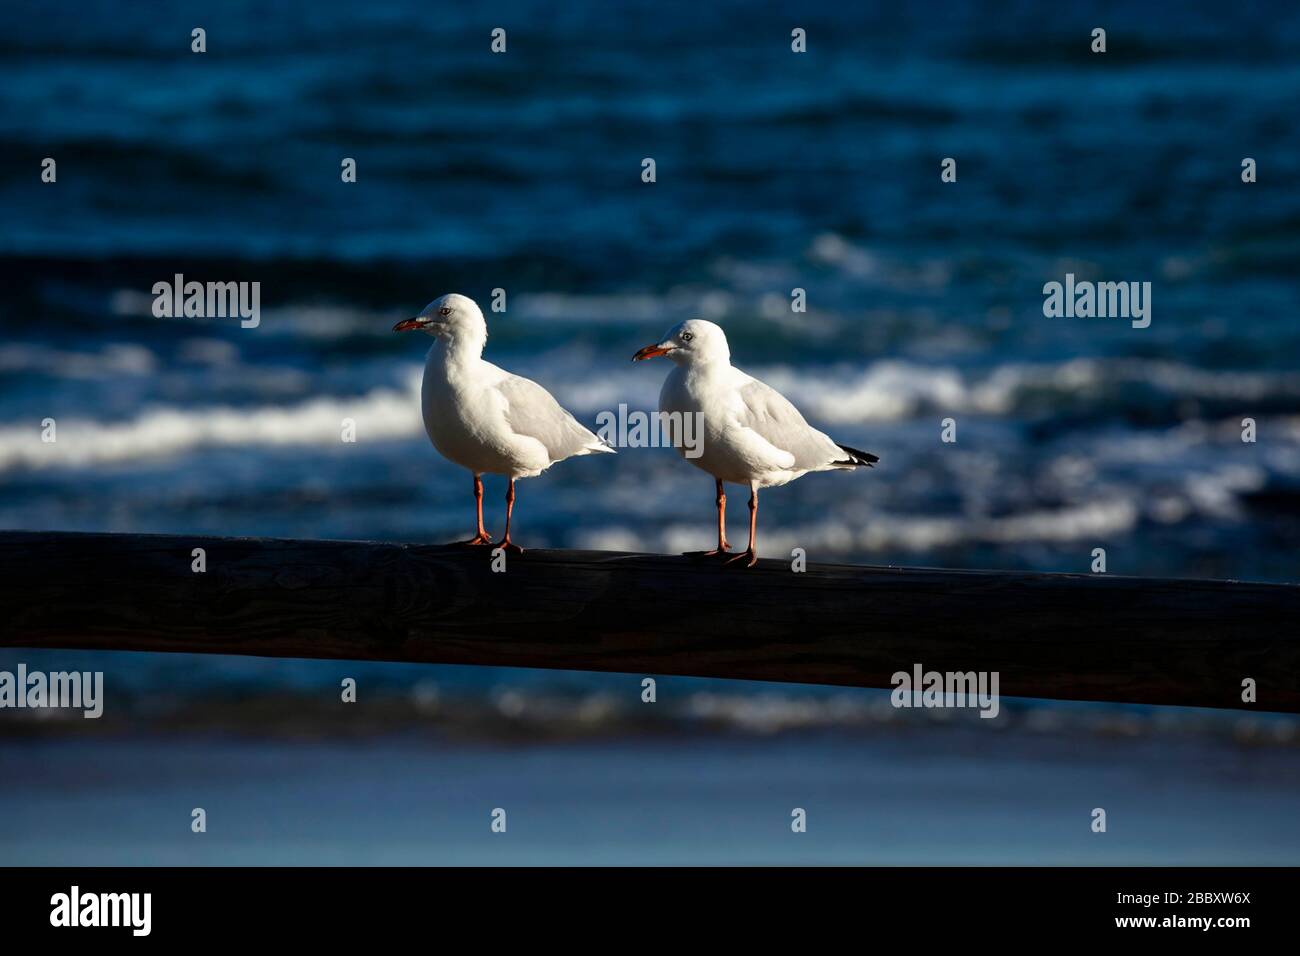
[
  {"x": 770, "y": 414},
  {"x": 531, "y": 410}
]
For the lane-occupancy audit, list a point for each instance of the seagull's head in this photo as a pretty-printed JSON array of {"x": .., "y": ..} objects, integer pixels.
[
  {"x": 694, "y": 341},
  {"x": 452, "y": 316}
]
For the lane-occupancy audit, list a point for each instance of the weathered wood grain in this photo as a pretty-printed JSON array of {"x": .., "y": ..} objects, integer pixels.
[{"x": 1082, "y": 637}]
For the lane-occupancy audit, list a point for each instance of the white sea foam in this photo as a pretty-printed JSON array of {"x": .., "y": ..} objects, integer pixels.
[
  {"x": 1088, "y": 521},
  {"x": 311, "y": 321},
  {"x": 160, "y": 432},
  {"x": 894, "y": 390},
  {"x": 112, "y": 360},
  {"x": 884, "y": 391},
  {"x": 890, "y": 390},
  {"x": 858, "y": 262}
]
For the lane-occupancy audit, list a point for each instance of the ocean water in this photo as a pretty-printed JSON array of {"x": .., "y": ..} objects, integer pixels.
[
  {"x": 702, "y": 801},
  {"x": 774, "y": 171}
]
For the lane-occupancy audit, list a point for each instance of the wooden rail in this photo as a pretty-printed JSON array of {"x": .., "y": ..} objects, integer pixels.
[{"x": 1066, "y": 636}]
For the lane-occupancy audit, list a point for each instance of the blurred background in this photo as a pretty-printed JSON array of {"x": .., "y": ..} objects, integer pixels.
[{"x": 522, "y": 171}]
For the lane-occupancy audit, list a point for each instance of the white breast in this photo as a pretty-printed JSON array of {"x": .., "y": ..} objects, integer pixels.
[
  {"x": 730, "y": 449},
  {"x": 488, "y": 420},
  {"x": 464, "y": 417}
]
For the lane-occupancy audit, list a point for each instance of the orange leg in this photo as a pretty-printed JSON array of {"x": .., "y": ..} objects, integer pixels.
[
  {"x": 723, "y": 546},
  {"x": 748, "y": 558},
  {"x": 482, "y": 537},
  {"x": 505, "y": 542}
]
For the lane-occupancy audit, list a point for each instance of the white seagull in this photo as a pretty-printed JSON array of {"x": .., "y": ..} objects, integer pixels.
[
  {"x": 484, "y": 418},
  {"x": 752, "y": 435}
]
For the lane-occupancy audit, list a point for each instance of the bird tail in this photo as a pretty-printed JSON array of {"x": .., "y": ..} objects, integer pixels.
[{"x": 856, "y": 458}]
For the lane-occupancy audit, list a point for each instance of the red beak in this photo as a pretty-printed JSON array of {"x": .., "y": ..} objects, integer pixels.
[
  {"x": 407, "y": 324},
  {"x": 650, "y": 351}
]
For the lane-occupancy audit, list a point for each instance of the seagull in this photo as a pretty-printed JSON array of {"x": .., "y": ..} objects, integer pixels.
[
  {"x": 484, "y": 418},
  {"x": 752, "y": 435}
]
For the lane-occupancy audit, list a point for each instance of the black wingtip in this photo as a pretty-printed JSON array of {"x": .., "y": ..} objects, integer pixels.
[{"x": 857, "y": 457}]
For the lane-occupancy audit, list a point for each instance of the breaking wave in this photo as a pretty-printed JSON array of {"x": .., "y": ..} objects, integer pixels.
[
  {"x": 160, "y": 432},
  {"x": 885, "y": 391},
  {"x": 886, "y": 533}
]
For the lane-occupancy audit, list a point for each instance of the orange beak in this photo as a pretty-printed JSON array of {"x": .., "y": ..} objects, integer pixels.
[
  {"x": 650, "y": 351},
  {"x": 407, "y": 324}
]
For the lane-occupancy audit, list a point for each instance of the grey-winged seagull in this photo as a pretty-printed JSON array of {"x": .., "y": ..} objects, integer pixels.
[
  {"x": 752, "y": 435},
  {"x": 484, "y": 418}
]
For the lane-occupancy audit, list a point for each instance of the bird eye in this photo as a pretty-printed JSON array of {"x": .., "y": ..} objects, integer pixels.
[
  {"x": 687, "y": 336},
  {"x": 445, "y": 310}
]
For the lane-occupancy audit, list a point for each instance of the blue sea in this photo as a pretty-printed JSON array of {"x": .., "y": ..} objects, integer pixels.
[{"x": 775, "y": 171}]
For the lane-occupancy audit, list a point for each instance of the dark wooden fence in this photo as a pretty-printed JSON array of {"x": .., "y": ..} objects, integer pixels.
[{"x": 1065, "y": 636}]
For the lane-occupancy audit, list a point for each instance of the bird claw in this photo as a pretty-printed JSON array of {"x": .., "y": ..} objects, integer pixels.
[
  {"x": 478, "y": 539},
  {"x": 509, "y": 547},
  {"x": 748, "y": 557},
  {"x": 715, "y": 553}
]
